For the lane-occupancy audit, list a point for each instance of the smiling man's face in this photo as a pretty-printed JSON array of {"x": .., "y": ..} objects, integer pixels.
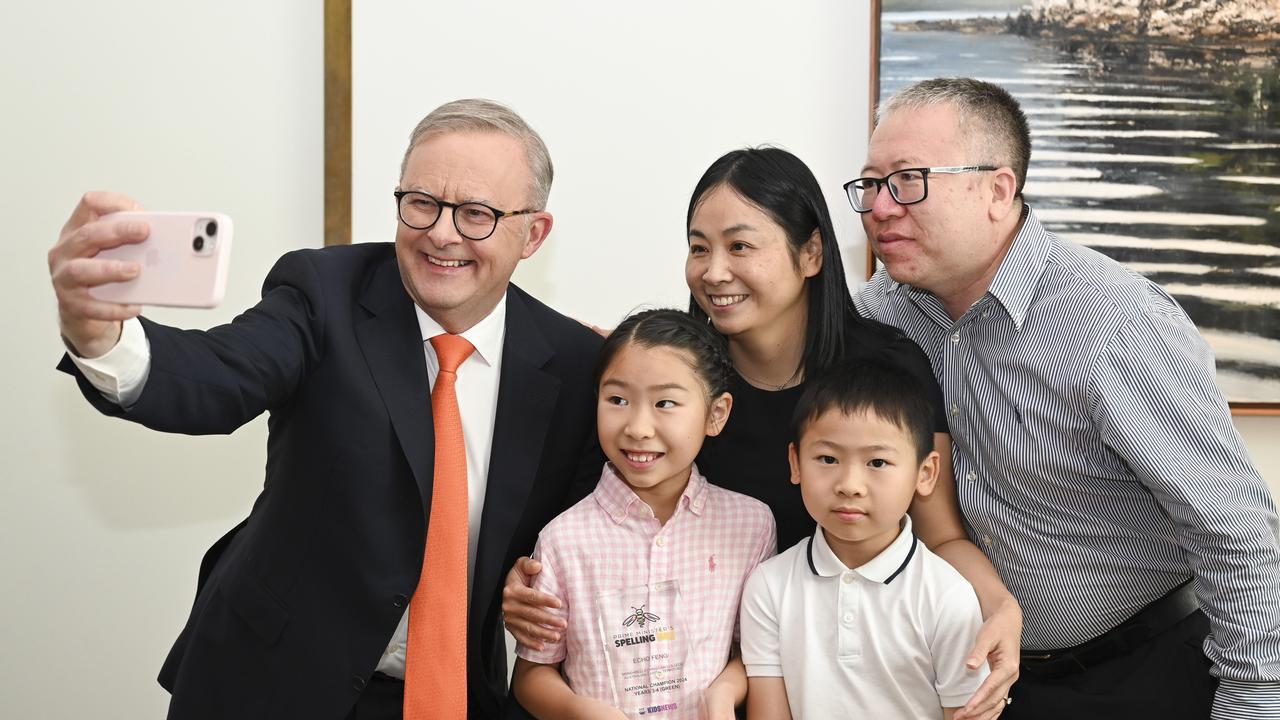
[{"x": 455, "y": 280}]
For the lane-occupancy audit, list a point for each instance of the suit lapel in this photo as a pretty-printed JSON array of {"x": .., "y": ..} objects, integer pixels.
[
  {"x": 392, "y": 345},
  {"x": 526, "y": 402}
]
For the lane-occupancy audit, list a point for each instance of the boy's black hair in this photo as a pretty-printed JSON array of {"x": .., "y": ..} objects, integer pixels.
[
  {"x": 886, "y": 390},
  {"x": 674, "y": 329}
]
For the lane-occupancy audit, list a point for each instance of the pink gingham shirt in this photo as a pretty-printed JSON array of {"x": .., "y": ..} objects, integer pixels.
[{"x": 611, "y": 540}]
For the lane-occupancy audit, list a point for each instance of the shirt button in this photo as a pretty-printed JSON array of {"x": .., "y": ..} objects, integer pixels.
[
  {"x": 971, "y": 475},
  {"x": 399, "y": 601},
  {"x": 848, "y": 578},
  {"x": 661, "y": 541},
  {"x": 848, "y": 618},
  {"x": 986, "y": 540},
  {"x": 955, "y": 337},
  {"x": 955, "y": 409},
  {"x": 986, "y": 313}
]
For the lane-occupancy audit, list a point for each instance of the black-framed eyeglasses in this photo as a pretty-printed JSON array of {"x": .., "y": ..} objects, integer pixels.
[
  {"x": 473, "y": 220},
  {"x": 907, "y": 186}
]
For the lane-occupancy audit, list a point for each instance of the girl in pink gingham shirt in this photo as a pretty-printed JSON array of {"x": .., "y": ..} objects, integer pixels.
[{"x": 652, "y": 518}]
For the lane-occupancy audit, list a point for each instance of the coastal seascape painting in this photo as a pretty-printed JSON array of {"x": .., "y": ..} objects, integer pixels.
[{"x": 1155, "y": 140}]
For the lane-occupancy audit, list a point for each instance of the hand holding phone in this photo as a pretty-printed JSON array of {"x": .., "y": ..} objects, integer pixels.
[{"x": 183, "y": 262}]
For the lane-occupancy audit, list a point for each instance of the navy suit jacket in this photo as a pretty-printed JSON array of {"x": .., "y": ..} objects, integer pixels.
[{"x": 296, "y": 605}]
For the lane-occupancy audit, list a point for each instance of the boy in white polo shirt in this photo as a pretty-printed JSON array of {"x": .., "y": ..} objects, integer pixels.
[{"x": 860, "y": 619}]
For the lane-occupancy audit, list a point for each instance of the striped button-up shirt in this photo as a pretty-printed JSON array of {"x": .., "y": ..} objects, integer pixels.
[{"x": 1095, "y": 458}]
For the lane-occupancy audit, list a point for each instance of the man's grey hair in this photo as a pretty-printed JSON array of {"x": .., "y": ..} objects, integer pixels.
[
  {"x": 479, "y": 115},
  {"x": 990, "y": 119}
]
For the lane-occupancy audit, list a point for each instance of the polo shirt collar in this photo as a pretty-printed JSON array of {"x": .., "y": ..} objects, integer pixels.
[
  {"x": 619, "y": 501},
  {"x": 485, "y": 336},
  {"x": 882, "y": 568}
]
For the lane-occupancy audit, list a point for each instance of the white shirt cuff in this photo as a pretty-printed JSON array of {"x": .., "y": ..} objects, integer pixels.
[{"x": 120, "y": 373}]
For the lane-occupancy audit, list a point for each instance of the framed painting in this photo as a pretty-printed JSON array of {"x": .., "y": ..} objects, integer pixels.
[{"x": 1155, "y": 140}]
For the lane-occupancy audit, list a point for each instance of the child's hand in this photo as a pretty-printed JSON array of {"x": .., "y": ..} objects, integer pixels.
[{"x": 522, "y": 611}]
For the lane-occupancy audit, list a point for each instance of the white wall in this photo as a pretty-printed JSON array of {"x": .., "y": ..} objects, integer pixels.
[
  {"x": 634, "y": 102},
  {"x": 186, "y": 106},
  {"x": 189, "y": 106}
]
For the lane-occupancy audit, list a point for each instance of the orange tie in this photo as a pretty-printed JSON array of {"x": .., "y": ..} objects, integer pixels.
[{"x": 435, "y": 673}]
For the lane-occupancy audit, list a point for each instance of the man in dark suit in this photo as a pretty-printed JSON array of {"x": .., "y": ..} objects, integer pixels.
[{"x": 302, "y": 610}]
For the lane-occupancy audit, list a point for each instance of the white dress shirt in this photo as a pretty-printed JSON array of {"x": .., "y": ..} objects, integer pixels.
[{"x": 121, "y": 374}]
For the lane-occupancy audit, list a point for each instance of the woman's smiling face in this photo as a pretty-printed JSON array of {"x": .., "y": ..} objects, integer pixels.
[{"x": 741, "y": 269}]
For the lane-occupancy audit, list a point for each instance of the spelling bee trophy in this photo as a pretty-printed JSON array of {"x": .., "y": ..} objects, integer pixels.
[{"x": 646, "y": 645}]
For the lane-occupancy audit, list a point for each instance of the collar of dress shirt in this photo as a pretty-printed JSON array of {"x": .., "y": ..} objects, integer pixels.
[
  {"x": 882, "y": 568},
  {"x": 485, "y": 336},
  {"x": 1015, "y": 283},
  {"x": 617, "y": 498}
]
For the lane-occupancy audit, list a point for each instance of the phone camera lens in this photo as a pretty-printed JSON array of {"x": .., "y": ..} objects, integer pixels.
[
  {"x": 198, "y": 243},
  {"x": 211, "y": 229}
]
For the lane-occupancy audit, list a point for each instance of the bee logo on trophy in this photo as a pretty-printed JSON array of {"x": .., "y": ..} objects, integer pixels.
[{"x": 639, "y": 617}]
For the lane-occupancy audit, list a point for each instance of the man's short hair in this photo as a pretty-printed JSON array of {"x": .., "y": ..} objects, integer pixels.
[
  {"x": 871, "y": 386},
  {"x": 990, "y": 118},
  {"x": 479, "y": 115}
]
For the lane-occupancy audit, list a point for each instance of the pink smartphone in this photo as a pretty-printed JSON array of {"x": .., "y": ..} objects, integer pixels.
[{"x": 184, "y": 260}]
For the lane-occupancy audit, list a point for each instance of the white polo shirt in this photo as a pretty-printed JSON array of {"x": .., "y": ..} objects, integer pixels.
[{"x": 884, "y": 640}]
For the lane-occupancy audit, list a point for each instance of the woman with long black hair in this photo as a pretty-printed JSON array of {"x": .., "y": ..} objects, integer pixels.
[{"x": 764, "y": 268}]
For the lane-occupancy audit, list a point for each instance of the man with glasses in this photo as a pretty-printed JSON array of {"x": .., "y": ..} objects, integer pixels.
[
  {"x": 1095, "y": 458},
  {"x": 427, "y": 419}
]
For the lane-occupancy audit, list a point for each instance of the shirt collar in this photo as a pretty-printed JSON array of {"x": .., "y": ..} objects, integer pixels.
[
  {"x": 617, "y": 499},
  {"x": 485, "y": 336},
  {"x": 882, "y": 568},
  {"x": 1015, "y": 283}
]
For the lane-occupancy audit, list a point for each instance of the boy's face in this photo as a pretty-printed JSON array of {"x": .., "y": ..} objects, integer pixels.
[{"x": 858, "y": 475}]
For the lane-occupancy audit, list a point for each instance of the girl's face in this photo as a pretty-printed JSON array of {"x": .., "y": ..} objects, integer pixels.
[
  {"x": 652, "y": 416},
  {"x": 739, "y": 268}
]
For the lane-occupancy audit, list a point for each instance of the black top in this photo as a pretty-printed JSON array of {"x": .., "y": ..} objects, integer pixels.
[{"x": 750, "y": 454}]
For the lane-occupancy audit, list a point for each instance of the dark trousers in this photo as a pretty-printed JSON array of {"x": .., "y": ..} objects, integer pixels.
[
  {"x": 382, "y": 699},
  {"x": 1167, "y": 677}
]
